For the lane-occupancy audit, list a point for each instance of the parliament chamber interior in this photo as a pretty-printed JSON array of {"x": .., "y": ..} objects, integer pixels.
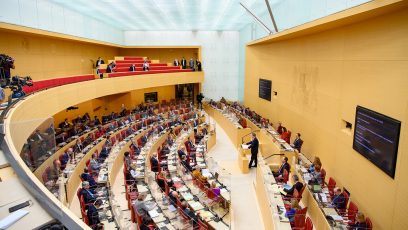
[{"x": 204, "y": 115}]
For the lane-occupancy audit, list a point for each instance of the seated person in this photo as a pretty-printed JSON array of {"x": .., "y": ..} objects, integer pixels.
[
  {"x": 339, "y": 200},
  {"x": 173, "y": 196},
  {"x": 204, "y": 180},
  {"x": 64, "y": 160},
  {"x": 196, "y": 172},
  {"x": 186, "y": 164},
  {"x": 55, "y": 171},
  {"x": 316, "y": 176},
  {"x": 154, "y": 163},
  {"x": 286, "y": 135},
  {"x": 93, "y": 214},
  {"x": 85, "y": 176},
  {"x": 190, "y": 144},
  {"x": 104, "y": 154},
  {"x": 360, "y": 223},
  {"x": 132, "y": 68},
  {"x": 134, "y": 174},
  {"x": 95, "y": 166},
  {"x": 294, "y": 206},
  {"x": 316, "y": 161},
  {"x": 297, "y": 143},
  {"x": 127, "y": 160},
  {"x": 190, "y": 213},
  {"x": 215, "y": 190},
  {"x": 285, "y": 165},
  {"x": 141, "y": 206},
  {"x": 181, "y": 152},
  {"x": 297, "y": 185},
  {"x": 135, "y": 147},
  {"x": 162, "y": 178},
  {"x": 279, "y": 129},
  {"x": 146, "y": 65},
  {"x": 96, "y": 121},
  {"x": 147, "y": 223},
  {"x": 87, "y": 193},
  {"x": 165, "y": 150}
]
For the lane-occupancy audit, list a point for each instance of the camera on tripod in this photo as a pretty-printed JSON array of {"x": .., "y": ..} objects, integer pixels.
[{"x": 15, "y": 83}]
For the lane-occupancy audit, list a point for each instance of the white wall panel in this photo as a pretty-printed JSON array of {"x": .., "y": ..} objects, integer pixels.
[
  {"x": 44, "y": 15},
  {"x": 219, "y": 55}
]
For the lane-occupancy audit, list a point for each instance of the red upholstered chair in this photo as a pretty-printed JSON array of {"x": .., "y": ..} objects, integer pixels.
[
  {"x": 84, "y": 217},
  {"x": 351, "y": 213},
  {"x": 300, "y": 216},
  {"x": 369, "y": 224},
  {"x": 309, "y": 224},
  {"x": 285, "y": 177},
  {"x": 201, "y": 225},
  {"x": 45, "y": 174},
  {"x": 331, "y": 185}
]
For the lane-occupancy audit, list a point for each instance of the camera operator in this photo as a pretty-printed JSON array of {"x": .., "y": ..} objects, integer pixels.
[{"x": 6, "y": 63}]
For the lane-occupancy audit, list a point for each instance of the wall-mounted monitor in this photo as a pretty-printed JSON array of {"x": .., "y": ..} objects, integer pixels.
[
  {"x": 376, "y": 137},
  {"x": 150, "y": 97},
  {"x": 265, "y": 87}
]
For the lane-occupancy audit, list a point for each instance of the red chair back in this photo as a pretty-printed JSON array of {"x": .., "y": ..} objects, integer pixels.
[
  {"x": 352, "y": 211},
  {"x": 331, "y": 185},
  {"x": 369, "y": 223},
  {"x": 309, "y": 224},
  {"x": 84, "y": 217},
  {"x": 202, "y": 225},
  {"x": 300, "y": 217},
  {"x": 285, "y": 176}
]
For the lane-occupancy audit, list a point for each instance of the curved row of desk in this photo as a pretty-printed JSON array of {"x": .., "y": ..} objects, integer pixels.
[{"x": 267, "y": 191}]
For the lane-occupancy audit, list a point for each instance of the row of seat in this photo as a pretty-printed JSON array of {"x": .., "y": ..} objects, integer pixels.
[{"x": 49, "y": 83}]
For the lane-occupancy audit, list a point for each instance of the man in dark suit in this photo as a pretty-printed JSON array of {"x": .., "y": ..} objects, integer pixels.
[
  {"x": 297, "y": 144},
  {"x": 280, "y": 128},
  {"x": 93, "y": 214},
  {"x": 99, "y": 62},
  {"x": 87, "y": 193},
  {"x": 183, "y": 63},
  {"x": 181, "y": 152},
  {"x": 132, "y": 68},
  {"x": 186, "y": 164},
  {"x": 85, "y": 176},
  {"x": 285, "y": 165},
  {"x": 154, "y": 162},
  {"x": 198, "y": 63},
  {"x": 338, "y": 201},
  {"x": 253, "y": 145},
  {"x": 176, "y": 62},
  {"x": 297, "y": 185}
]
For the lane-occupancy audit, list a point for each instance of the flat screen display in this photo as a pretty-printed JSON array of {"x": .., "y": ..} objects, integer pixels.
[
  {"x": 376, "y": 137},
  {"x": 150, "y": 97},
  {"x": 265, "y": 87}
]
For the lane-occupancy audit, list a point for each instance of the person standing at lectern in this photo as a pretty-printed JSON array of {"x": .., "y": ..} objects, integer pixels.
[{"x": 253, "y": 145}]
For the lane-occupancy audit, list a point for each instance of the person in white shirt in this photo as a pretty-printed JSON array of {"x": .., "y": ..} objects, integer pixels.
[{"x": 146, "y": 65}]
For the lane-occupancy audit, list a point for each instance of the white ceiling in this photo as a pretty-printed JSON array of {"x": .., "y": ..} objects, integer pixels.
[{"x": 169, "y": 14}]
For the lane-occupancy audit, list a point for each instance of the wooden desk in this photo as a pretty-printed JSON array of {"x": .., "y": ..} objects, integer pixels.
[
  {"x": 74, "y": 179},
  {"x": 267, "y": 200},
  {"x": 234, "y": 133},
  {"x": 118, "y": 162},
  {"x": 316, "y": 214}
]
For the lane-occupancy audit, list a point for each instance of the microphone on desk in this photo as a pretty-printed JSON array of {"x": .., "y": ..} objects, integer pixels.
[{"x": 277, "y": 154}]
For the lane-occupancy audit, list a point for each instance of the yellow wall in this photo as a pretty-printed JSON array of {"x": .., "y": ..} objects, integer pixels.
[
  {"x": 105, "y": 105},
  {"x": 165, "y": 55},
  {"x": 320, "y": 79},
  {"x": 44, "y": 57}
]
